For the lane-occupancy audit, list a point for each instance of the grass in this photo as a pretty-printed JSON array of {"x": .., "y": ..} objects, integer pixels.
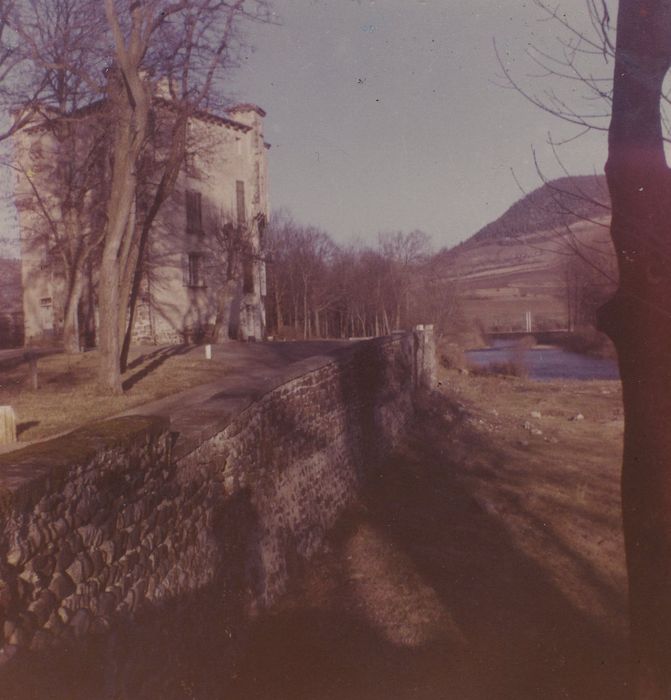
[
  {"x": 68, "y": 394},
  {"x": 485, "y": 561}
]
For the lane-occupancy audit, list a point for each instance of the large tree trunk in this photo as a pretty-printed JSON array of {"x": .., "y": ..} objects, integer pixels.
[
  {"x": 128, "y": 99},
  {"x": 638, "y": 319},
  {"x": 119, "y": 211},
  {"x": 132, "y": 283}
]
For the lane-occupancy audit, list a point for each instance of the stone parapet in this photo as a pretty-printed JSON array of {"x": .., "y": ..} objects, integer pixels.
[{"x": 127, "y": 514}]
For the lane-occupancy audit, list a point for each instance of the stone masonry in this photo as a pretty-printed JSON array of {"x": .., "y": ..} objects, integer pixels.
[{"x": 124, "y": 515}]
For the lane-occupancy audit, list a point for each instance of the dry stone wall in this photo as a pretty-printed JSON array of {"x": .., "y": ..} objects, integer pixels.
[{"x": 124, "y": 516}]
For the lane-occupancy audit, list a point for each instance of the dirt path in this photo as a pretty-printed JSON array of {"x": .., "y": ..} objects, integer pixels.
[{"x": 486, "y": 562}]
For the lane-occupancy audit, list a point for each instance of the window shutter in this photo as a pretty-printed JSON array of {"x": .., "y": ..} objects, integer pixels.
[
  {"x": 240, "y": 199},
  {"x": 185, "y": 270},
  {"x": 194, "y": 220}
]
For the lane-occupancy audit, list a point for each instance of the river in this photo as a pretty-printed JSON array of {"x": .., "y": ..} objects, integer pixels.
[{"x": 545, "y": 363}]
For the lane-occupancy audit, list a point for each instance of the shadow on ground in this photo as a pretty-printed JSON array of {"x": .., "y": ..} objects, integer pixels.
[
  {"x": 154, "y": 360},
  {"x": 425, "y": 594}
]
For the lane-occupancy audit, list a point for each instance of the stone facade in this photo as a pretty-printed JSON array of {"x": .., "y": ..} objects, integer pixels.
[
  {"x": 224, "y": 182},
  {"x": 123, "y": 516},
  {"x": 11, "y": 311}
]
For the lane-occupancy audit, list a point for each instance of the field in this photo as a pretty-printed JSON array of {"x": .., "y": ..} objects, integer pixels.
[{"x": 486, "y": 561}]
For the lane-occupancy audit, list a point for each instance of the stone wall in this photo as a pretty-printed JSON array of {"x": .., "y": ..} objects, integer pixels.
[{"x": 124, "y": 515}]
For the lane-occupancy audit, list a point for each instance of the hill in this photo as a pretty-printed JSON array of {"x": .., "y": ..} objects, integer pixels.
[
  {"x": 555, "y": 205},
  {"x": 531, "y": 260}
]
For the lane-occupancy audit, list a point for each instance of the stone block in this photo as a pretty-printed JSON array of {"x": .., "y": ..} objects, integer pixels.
[
  {"x": 109, "y": 551},
  {"x": 91, "y": 536},
  {"x": 61, "y": 586},
  {"x": 81, "y": 622},
  {"x": 76, "y": 571}
]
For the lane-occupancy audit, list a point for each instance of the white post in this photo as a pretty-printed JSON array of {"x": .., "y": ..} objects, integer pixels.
[
  {"x": 7, "y": 425},
  {"x": 208, "y": 352},
  {"x": 527, "y": 321}
]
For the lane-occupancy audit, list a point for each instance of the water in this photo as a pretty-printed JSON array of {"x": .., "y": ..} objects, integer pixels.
[{"x": 546, "y": 363}]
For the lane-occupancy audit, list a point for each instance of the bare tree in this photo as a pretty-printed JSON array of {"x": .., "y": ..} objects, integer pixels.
[
  {"x": 185, "y": 46},
  {"x": 638, "y": 317},
  {"x": 135, "y": 59},
  {"x": 318, "y": 289},
  {"x": 61, "y": 181},
  {"x": 59, "y": 141}
]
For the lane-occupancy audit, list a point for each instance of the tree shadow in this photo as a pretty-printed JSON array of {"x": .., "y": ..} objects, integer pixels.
[
  {"x": 524, "y": 635},
  {"x": 157, "y": 359},
  {"x": 26, "y": 425}
]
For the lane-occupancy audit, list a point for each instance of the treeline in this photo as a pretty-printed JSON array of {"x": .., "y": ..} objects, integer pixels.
[{"x": 318, "y": 289}]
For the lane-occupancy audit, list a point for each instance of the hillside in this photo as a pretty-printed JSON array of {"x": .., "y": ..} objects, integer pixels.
[
  {"x": 530, "y": 259},
  {"x": 555, "y": 205}
]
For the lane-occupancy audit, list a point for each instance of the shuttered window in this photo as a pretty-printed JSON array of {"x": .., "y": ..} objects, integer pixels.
[
  {"x": 247, "y": 276},
  {"x": 193, "y": 270},
  {"x": 194, "y": 219}
]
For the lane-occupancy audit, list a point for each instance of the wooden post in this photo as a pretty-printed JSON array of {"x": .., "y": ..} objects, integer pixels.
[
  {"x": 7, "y": 425},
  {"x": 31, "y": 358}
]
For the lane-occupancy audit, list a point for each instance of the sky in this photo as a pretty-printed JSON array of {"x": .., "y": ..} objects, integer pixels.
[{"x": 389, "y": 115}]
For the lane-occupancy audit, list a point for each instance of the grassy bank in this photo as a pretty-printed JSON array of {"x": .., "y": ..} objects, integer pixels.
[
  {"x": 485, "y": 562},
  {"x": 68, "y": 395}
]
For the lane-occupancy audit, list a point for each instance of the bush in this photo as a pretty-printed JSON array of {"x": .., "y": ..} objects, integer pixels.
[
  {"x": 451, "y": 355},
  {"x": 588, "y": 341},
  {"x": 510, "y": 368}
]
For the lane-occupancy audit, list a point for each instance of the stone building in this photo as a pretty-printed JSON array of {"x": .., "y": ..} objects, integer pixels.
[{"x": 217, "y": 210}]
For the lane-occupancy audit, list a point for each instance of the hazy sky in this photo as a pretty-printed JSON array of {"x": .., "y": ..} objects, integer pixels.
[{"x": 388, "y": 114}]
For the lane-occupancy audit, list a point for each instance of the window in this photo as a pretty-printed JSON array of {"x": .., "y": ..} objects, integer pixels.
[
  {"x": 261, "y": 223},
  {"x": 240, "y": 199},
  {"x": 248, "y": 276},
  {"x": 44, "y": 259},
  {"x": 46, "y": 313},
  {"x": 194, "y": 270},
  {"x": 194, "y": 219}
]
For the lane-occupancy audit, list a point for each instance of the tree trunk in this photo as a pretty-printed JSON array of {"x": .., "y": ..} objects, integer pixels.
[
  {"x": 108, "y": 305},
  {"x": 638, "y": 320},
  {"x": 224, "y": 304},
  {"x": 71, "y": 342},
  {"x": 118, "y": 214},
  {"x": 279, "y": 319},
  {"x": 134, "y": 269},
  {"x": 128, "y": 101}
]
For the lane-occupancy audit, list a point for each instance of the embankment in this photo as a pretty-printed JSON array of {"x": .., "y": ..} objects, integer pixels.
[{"x": 125, "y": 517}]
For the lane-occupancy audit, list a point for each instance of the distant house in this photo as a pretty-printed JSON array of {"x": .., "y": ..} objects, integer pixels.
[
  {"x": 11, "y": 305},
  {"x": 221, "y": 194}
]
